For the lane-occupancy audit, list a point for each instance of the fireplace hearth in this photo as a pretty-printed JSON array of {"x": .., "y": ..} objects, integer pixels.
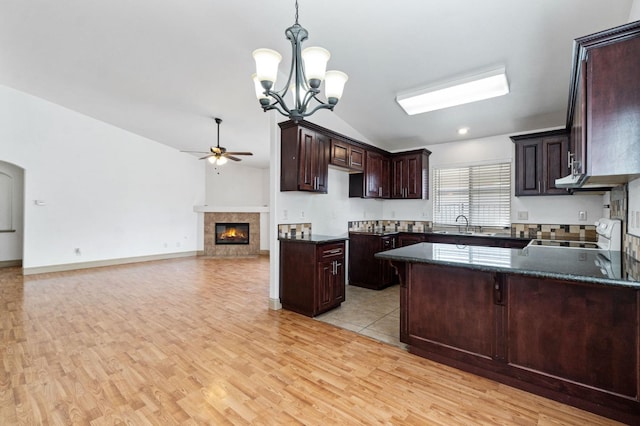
[{"x": 232, "y": 233}]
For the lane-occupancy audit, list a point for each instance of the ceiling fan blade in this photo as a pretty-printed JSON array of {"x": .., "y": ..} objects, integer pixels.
[
  {"x": 207, "y": 156},
  {"x": 196, "y": 152},
  {"x": 239, "y": 153},
  {"x": 231, "y": 157}
]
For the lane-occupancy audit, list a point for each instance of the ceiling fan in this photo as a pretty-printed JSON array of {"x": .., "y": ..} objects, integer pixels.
[{"x": 218, "y": 154}]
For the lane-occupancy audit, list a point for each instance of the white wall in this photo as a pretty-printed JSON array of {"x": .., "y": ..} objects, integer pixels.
[
  {"x": 11, "y": 242},
  {"x": 108, "y": 192},
  {"x": 234, "y": 185},
  {"x": 634, "y": 15}
]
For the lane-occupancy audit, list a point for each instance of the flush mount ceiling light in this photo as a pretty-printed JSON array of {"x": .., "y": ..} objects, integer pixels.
[
  {"x": 308, "y": 70},
  {"x": 462, "y": 91}
]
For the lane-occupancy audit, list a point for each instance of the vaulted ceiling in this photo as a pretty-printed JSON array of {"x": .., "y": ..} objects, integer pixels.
[{"x": 163, "y": 68}]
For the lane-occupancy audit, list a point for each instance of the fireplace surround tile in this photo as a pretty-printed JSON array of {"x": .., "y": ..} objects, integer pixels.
[{"x": 227, "y": 250}]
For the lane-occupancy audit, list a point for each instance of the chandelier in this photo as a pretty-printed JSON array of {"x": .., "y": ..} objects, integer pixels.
[{"x": 308, "y": 70}]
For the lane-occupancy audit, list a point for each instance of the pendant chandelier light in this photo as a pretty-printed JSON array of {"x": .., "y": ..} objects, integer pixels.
[{"x": 308, "y": 70}]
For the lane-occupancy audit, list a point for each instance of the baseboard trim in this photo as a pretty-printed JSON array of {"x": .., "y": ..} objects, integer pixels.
[
  {"x": 108, "y": 262},
  {"x": 10, "y": 263},
  {"x": 274, "y": 304}
]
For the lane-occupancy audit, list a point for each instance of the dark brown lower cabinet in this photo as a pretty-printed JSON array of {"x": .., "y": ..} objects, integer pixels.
[
  {"x": 364, "y": 269},
  {"x": 574, "y": 342},
  {"x": 312, "y": 277}
]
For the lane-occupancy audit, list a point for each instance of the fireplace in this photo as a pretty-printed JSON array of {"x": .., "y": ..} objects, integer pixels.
[
  {"x": 232, "y": 233},
  {"x": 215, "y": 249}
]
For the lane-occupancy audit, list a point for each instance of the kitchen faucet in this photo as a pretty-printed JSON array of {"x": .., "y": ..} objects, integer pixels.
[{"x": 466, "y": 228}]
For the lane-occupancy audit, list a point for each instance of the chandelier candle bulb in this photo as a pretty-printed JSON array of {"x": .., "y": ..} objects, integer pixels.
[
  {"x": 334, "y": 85},
  {"x": 264, "y": 99},
  {"x": 315, "y": 64},
  {"x": 267, "y": 62}
]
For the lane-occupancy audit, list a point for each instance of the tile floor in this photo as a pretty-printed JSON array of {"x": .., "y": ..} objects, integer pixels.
[{"x": 373, "y": 313}]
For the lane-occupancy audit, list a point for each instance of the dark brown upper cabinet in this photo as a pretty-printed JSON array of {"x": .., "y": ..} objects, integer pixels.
[
  {"x": 304, "y": 159},
  {"x": 346, "y": 155},
  {"x": 307, "y": 150},
  {"x": 376, "y": 175},
  {"x": 604, "y": 105},
  {"x": 410, "y": 175},
  {"x": 541, "y": 158}
]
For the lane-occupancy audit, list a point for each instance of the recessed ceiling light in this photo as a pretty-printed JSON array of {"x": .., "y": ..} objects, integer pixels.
[
  {"x": 474, "y": 88},
  {"x": 463, "y": 130}
]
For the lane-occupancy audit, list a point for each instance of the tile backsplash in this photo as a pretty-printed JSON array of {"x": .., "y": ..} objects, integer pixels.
[
  {"x": 293, "y": 229},
  {"x": 632, "y": 246},
  {"x": 554, "y": 232},
  {"x": 390, "y": 225}
]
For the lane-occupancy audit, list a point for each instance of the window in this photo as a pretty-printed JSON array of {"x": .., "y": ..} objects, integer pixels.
[{"x": 481, "y": 193}]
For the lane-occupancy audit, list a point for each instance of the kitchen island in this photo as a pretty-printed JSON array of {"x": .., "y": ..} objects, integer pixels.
[{"x": 559, "y": 322}]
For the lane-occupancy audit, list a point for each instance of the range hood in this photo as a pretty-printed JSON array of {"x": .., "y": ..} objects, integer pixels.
[
  {"x": 581, "y": 181},
  {"x": 571, "y": 181}
]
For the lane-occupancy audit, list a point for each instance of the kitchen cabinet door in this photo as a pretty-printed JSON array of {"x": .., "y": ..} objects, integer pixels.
[
  {"x": 304, "y": 160},
  {"x": 331, "y": 282},
  {"x": 376, "y": 175},
  {"x": 346, "y": 155},
  {"x": 313, "y": 169}
]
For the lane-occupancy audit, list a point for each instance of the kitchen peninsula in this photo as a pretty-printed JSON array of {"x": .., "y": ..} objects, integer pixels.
[{"x": 550, "y": 320}]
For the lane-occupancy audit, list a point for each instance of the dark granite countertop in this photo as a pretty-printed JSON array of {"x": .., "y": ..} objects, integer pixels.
[
  {"x": 575, "y": 264},
  {"x": 499, "y": 234},
  {"x": 313, "y": 238}
]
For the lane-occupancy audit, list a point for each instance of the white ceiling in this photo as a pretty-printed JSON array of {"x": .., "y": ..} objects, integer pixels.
[{"x": 163, "y": 68}]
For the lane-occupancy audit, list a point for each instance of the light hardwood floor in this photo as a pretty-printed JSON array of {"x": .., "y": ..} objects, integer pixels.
[{"x": 192, "y": 341}]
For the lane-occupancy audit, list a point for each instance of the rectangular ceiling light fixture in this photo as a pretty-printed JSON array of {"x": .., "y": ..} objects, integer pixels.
[{"x": 478, "y": 87}]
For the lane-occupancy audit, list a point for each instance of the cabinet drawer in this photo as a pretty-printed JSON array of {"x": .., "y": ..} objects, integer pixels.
[{"x": 330, "y": 251}]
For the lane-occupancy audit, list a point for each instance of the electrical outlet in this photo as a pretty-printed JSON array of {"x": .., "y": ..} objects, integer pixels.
[
  {"x": 285, "y": 214},
  {"x": 582, "y": 215},
  {"x": 302, "y": 214},
  {"x": 523, "y": 215}
]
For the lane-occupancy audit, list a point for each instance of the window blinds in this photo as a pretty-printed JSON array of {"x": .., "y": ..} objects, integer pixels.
[{"x": 481, "y": 193}]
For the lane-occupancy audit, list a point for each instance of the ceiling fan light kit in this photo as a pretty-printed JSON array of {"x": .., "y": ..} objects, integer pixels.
[
  {"x": 308, "y": 70},
  {"x": 219, "y": 155}
]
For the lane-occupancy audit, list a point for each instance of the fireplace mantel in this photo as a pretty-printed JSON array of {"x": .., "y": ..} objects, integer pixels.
[{"x": 231, "y": 209}]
